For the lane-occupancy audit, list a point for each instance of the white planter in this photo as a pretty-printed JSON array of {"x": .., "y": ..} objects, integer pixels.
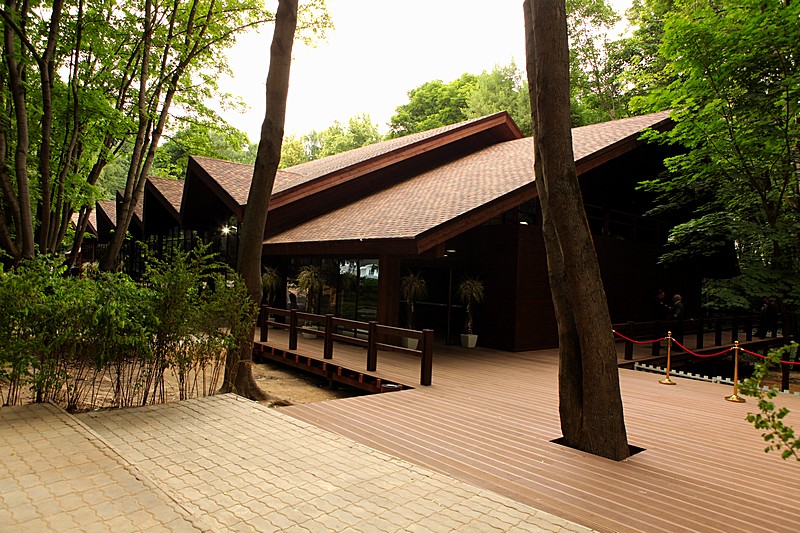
[
  {"x": 409, "y": 343},
  {"x": 468, "y": 341}
]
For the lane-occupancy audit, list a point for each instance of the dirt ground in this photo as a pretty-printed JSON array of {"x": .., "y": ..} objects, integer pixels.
[{"x": 287, "y": 386}]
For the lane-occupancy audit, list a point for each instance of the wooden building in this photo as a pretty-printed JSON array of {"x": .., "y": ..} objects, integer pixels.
[{"x": 450, "y": 202}]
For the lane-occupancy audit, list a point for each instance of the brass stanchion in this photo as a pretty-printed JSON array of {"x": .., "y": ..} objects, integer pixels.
[
  {"x": 735, "y": 396},
  {"x": 666, "y": 380}
]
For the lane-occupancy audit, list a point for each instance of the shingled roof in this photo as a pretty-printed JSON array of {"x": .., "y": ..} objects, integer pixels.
[
  {"x": 488, "y": 181},
  {"x": 231, "y": 181},
  {"x": 169, "y": 193}
]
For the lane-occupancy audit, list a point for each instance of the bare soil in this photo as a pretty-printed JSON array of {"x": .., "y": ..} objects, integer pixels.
[
  {"x": 284, "y": 385},
  {"x": 288, "y": 386}
]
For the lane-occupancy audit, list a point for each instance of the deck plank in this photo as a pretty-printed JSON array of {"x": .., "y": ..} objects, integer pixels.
[{"x": 489, "y": 417}]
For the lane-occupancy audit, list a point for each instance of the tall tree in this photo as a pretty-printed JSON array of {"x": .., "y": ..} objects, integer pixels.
[
  {"x": 736, "y": 101},
  {"x": 503, "y": 89},
  {"x": 590, "y": 402},
  {"x": 596, "y": 62},
  {"x": 238, "y": 367},
  {"x": 203, "y": 138},
  {"x": 646, "y": 69},
  {"x": 431, "y": 105},
  {"x": 83, "y": 81},
  {"x": 336, "y": 138}
]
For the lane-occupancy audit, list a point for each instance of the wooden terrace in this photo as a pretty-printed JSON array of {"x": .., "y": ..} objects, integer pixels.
[{"x": 489, "y": 418}]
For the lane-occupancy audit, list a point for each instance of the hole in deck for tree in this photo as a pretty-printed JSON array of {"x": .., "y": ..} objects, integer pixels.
[{"x": 632, "y": 450}]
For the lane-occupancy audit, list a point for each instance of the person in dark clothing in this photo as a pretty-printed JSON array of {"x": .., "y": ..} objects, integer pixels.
[
  {"x": 661, "y": 310},
  {"x": 677, "y": 308}
]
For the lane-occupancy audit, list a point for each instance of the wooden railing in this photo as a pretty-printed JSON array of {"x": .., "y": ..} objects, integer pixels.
[
  {"x": 697, "y": 327},
  {"x": 369, "y": 335}
]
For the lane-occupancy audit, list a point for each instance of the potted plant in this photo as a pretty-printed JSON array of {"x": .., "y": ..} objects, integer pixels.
[
  {"x": 309, "y": 279},
  {"x": 470, "y": 291},
  {"x": 269, "y": 284},
  {"x": 412, "y": 289}
]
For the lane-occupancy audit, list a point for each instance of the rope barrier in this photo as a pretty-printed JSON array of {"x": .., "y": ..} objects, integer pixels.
[
  {"x": 764, "y": 357},
  {"x": 618, "y": 334},
  {"x": 690, "y": 352}
]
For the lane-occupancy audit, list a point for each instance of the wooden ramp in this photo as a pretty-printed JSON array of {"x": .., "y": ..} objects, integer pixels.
[{"x": 490, "y": 416}]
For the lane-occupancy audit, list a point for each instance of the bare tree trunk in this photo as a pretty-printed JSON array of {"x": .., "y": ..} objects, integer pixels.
[
  {"x": 24, "y": 228},
  {"x": 591, "y": 404},
  {"x": 238, "y": 367}
]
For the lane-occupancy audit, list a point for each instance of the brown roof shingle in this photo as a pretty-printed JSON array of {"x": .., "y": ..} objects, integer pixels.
[
  {"x": 170, "y": 190},
  {"x": 235, "y": 178},
  {"x": 432, "y": 198}
]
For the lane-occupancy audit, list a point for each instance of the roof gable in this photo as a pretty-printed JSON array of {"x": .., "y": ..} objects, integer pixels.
[
  {"x": 429, "y": 208},
  {"x": 230, "y": 182}
]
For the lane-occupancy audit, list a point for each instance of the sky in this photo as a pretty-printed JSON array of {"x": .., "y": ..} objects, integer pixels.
[{"x": 378, "y": 51}]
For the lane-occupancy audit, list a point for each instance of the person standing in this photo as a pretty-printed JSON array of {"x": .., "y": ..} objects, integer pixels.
[
  {"x": 677, "y": 310},
  {"x": 661, "y": 310}
]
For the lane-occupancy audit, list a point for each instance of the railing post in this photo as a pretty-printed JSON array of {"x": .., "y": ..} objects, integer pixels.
[
  {"x": 328, "y": 350},
  {"x": 293, "y": 329},
  {"x": 701, "y": 330},
  {"x": 263, "y": 316},
  {"x": 629, "y": 344},
  {"x": 372, "y": 347},
  {"x": 718, "y": 332},
  {"x": 427, "y": 357},
  {"x": 735, "y": 396},
  {"x": 666, "y": 380}
]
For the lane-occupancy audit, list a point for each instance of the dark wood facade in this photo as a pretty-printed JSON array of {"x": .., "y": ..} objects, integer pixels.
[{"x": 448, "y": 203}]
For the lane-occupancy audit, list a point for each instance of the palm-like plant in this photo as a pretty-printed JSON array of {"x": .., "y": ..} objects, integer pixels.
[
  {"x": 269, "y": 282},
  {"x": 470, "y": 291},
  {"x": 412, "y": 288},
  {"x": 310, "y": 279}
]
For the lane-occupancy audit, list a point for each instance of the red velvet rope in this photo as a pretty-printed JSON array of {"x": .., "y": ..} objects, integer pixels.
[
  {"x": 690, "y": 352},
  {"x": 618, "y": 334},
  {"x": 687, "y": 350},
  {"x": 764, "y": 357}
]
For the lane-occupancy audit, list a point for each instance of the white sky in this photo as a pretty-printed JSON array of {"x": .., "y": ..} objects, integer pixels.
[{"x": 379, "y": 50}]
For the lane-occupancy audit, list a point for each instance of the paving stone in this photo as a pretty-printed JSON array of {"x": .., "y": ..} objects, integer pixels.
[{"x": 177, "y": 467}]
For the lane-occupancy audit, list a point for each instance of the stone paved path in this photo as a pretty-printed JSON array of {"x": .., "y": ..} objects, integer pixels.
[
  {"x": 56, "y": 475},
  {"x": 225, "y": 464}
]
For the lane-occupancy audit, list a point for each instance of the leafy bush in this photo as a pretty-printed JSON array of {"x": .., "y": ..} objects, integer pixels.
[
  {"x": 105, "y": 340},
  {"x": 778, "y": 436}
]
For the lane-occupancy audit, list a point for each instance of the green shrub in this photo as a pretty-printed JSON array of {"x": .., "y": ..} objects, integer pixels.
[{"x": 105, "y": 340}]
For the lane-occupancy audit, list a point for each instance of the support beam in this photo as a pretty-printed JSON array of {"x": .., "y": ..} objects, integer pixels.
[{"x": 389, "y": 290}]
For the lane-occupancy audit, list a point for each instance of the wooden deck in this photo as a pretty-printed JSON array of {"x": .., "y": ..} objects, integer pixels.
[{"x": 490, "y": 416}]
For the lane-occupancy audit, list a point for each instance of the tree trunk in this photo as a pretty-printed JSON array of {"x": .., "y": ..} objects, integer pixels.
[
  {"x": 238, "y": 370},
  {"x": 591, "y": 404}
]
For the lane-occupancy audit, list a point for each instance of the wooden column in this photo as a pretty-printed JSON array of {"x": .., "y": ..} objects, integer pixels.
[{"x": 389, "y": 290}]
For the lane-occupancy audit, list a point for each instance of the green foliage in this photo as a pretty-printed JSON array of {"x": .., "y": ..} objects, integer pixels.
[
  {"x": 432, "y": 105},
  {"x": 505, "y": 88},
  {"x": 435, "y": 103},
  {"x": 204, "y": 138},
  {"x": 293, "y": 151},
  {"x": 105, "y": 340},
  {"x": 778, "y": 436},
  {"x": 596, "y": 63},
  {"x": 735, "y": 92},
  {"x": 97, "y": 85},
  {"x": 646, "y": 69},
  {"x": 337, "y": 138}
]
